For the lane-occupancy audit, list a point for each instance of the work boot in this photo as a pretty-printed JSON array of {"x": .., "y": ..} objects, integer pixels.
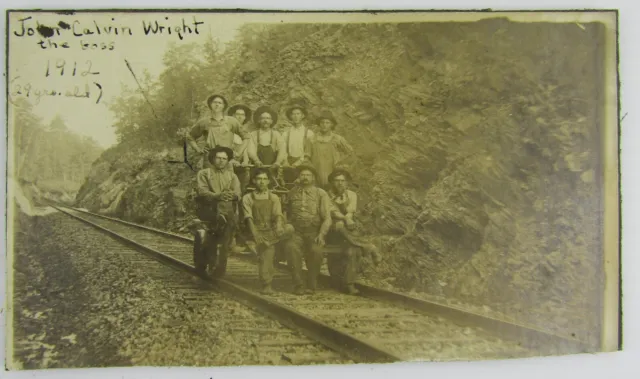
[
  {"x": 310, "y": 291},
  {"x": 298, "y": 290},
  {"x": 373, "y": 253},
  {"x": 267, "y": 290},
  {"x": 351, "y": 289}
]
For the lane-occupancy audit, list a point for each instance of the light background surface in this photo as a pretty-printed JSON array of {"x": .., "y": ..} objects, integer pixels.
[{"x": 621, "y": 364}]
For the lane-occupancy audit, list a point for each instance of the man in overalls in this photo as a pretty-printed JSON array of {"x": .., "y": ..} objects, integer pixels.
[
  {"x": 266, "y": 146},
  {"x": 309, "y": 211},
  {"x": 218, "y": 130},
  {"x": 327, "y": 149},
  {"x": 265, "y": 221},
  {"x": 344, "y": 266},
  {"x": 296, "y": 139},
  {"x": 218, "y": 193}
]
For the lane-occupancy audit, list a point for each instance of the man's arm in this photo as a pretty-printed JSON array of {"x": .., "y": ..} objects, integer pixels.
[
  {"x": 281, "y": 148},
  {"x": 247, "y": 208},
  {"x": 252, "y": 150},
  {"x": 196, "y": 132},
  {"x": 235, "y": 186},
  {"x": 353, "y": 204},
  {"x": 203, "y": 185},
  {"x": 345, "y": 148},
  {"x": 307, "y": 148},
  {"x": 325, "y": 214},
  {"x": 276, "y": 211}
]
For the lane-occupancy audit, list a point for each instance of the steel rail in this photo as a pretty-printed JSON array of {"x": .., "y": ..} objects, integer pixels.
[
  {"x": 528, "y": 336},
  {"x": 355, "y": 348}
]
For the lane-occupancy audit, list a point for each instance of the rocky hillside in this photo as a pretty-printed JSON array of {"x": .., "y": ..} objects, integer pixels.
[{"x": 477, "y": 151}]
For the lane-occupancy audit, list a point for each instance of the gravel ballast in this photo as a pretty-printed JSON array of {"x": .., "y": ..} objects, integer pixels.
[{"x": 80, "y": 301}]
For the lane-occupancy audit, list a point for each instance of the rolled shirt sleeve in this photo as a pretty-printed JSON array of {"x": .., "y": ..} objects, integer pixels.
[
  {"x": 353, "y": 203},
  {"x": 203, "y": 183},
  {"x": 280, "y": 147},
  {"x": 252, "y": 148},
  {"x": 344, "y": 146},
  {"x": 247, "y": 206},
  {"x": 325, "y": 212},
  {"x": 276, "y": 210},
  {"x": 196, "y": 132},
  {"x": 235, "y": 185}
]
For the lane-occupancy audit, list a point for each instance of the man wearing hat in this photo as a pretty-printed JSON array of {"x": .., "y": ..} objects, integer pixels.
[
  {"x": 296, "y": 139},
  {"x": 217, "y": 129},
  {"x": 327, "y": 149},
  {"x": 242, "y": 113},
  {"x": 262, "y": 212},
  {"x": 266, "y": 146},
  {"x": 218, "y": 193},
  {"x": 309, "y": 211}
]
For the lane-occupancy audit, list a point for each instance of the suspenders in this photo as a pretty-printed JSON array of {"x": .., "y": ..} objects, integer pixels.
[{"x": 304, "y": 140}]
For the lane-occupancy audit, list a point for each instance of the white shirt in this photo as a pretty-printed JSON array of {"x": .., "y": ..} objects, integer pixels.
[{"x": 294, "y": 139}]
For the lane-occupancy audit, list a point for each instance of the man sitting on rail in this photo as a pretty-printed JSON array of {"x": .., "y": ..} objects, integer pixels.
[
  {"x": 343, "y": 267},
  {"x": 309, "y": 211},
  {"x": 263, "y": 214},
  {"x": 218, "y": 194}
]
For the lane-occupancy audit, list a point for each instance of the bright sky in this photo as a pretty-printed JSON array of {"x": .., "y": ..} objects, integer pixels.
[{"x": 28, "y": 60}]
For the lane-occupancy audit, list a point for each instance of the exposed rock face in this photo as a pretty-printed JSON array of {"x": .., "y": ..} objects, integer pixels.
[{"x": 477, "y": 150}]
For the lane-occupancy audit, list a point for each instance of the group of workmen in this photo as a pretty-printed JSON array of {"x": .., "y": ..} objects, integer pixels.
[{"x": 319, "y": 210}]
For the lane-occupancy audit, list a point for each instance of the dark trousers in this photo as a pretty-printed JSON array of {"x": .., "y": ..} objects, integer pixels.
[
  {"x": 343, "y": 266},
  {"x": 301, "y": 245},
  {"x": 216, "y": 230},
  {"x": 265, "y": 264}
]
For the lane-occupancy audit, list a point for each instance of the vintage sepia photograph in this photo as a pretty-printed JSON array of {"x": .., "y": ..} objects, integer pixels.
[{"x": 246, "y": 188}]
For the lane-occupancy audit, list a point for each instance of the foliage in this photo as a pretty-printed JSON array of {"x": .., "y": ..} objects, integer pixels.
[
  {"x": 477, "y": 153},
  {"x": 51, "y": 155}
]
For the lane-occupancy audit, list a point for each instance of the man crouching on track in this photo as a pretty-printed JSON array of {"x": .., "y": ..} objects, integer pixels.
[
  {"x": 263, "y": 214},
  {"x": 218, "y": 194},
  {"x": 343, "y": 266},
  {"x": 309, "y": 210}
]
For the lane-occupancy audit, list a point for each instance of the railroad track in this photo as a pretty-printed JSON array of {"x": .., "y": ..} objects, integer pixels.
[{"x": 378, "y": 326}]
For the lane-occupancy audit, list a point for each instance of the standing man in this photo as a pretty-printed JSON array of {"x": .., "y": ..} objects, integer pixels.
[
  {"x": 266, "y": 146},
  {"x": 343, "y": 267},
  {"x": 265, "y": 221},
  {"x": 218, "y": 129},
  {"x": 309, "y": 211},
  {"x": 296, "y": 138},
  {"x": 218, "y": 194},
  {"x": 242, "y": 113},
  {"x": 327, "y": 149}
]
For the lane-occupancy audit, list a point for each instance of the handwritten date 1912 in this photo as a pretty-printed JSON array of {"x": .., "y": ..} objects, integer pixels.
[{"x": 60, "y": 64}]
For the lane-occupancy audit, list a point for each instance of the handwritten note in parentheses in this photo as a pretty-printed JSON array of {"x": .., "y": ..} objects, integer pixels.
[{"x": 73, "y": 56}]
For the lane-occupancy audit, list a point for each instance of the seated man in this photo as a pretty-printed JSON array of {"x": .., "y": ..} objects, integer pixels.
[
  {"x": 343, "y": 267},
  {"x": 218, "y": 193},
  {"x": 309, "y": 211},
  {"x": 265, "y": 221}
]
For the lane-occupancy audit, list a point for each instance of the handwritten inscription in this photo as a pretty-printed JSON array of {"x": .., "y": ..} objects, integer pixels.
[
  {"x": 85, "y": 34},
  {"x": 37, "y": 93},
  {"x": 28, "y": 27}
]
